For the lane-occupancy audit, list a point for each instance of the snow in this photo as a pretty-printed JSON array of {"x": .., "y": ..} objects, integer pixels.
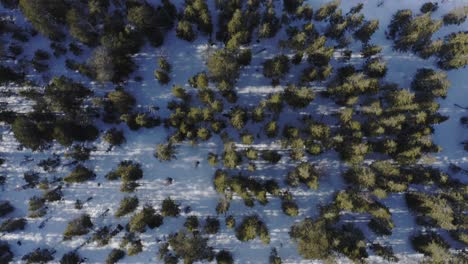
[{"x": 193, "y": 186}]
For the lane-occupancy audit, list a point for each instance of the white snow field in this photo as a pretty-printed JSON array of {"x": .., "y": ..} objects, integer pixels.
[{"x": 193, "y": 185}]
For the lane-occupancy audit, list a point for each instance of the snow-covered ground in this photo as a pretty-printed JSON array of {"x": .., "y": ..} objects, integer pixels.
[{"x": 193, "y": 185}]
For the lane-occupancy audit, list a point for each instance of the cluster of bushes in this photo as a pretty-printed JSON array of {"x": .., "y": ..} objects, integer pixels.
[
  {"x": 195, "y": 12},
  {"x": 188, "y": 246},
  {"x": 79, "y": 174},
  {"x": 162, "y": 75},
  {"x": 58, "y": 115},
  {"x": 431, "y": 210},
  {"x": 248, "y": 188},
  {"x": 414, "y": 33},
  {"x": 346, "y": 239},
  {"x": 147, "y": 217},
  {"x": 78, "y": 227},
  {"x": 129, "y": 172},
  {"x": 252, "y": 227}
]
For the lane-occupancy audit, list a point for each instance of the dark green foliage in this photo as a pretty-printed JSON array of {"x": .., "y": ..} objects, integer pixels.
[
  {"x": 271, "y": 156},
  {"x": 326, "y": 10},
  {"x": 431, "y": 244},
  {"x": 309, "y": 230},
  {"x": 127, "y": 205},
  {"x": 435, "y": 208},
  {"x": 13, "y": 224},
  {"x": 38, "y": 256},
  {"x": 429, "y": 7},
  {"x": 165, "y": 152},
  {"x": 162, "y": 77},
  {"x": 298, "y": 97},
  {"x": 289, "y": 207},
  {"x": 170, "y": 208},
  {"x": 71, "y": 258},
  {"x": 386, "y": 252},
  {"x": 223, "y": 67},
  {"x": 365, "y": 32},
  {"x": 121, "y": 101},
  {"x": 191, "y": 223},
  {"x": 412, "y": 33},
  {"x": 80, "y": 29},
  {"x": 430, "y": 84},
  {"x": 304, "y": 173},
  {"x": 375, "y": 68},
  {"x": 28, "y": 133},
  {"x": 78, "y": 226},
  {"x": 146, "y": 20},
  {"x": 191, "y": 247},
  {"x": 251, "y": 227},
  {"x": 350, "y": 241},
  {"x": 127, "y": 171},
  {"x": 79, "y": 174},
  {"x": 369, "y": 50},
  {"x": 114, "y": 256},
  {"x": 146, "y": 217},
  {"x": 211, "y": 225},
  {"x": 114, "y": 137},
  {"x": 224, "y": 257},
  {"x": 79, "y": 153},
  {"x": 276, "y": 67},
  {"x": 45, "y": 16},
  {"x": 185, "y": 31},
  {"x": 452, "y": 54}
]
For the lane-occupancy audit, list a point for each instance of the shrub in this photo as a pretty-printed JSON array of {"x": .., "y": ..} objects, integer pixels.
[
  {"x": 170, "y": 208},
  {"x": 303, "y": 173},
  {"x": 386, "y": 252},
  {"x": 211, "y": 225},
  {"x": 429, "y": 7},
  {"x": 79, "y": 174},
  {"x": 78, "y": 226},
  {"x": 224, "y": 257},
  {"x": 184, "y": 31},
  {"x": 13, "y": 224},
  {"x": 71, "y": 258},
  {"x": 162, "y": 76},
  {"x": 114, "y": 256},
  {"x": 79, "y": 153},
  {"x": 38, "y": 256},
  {"x": 127, "y": 205},
  {"x": 192, "y": 247},
  {"x": 122, "y": 101},
  {"x": 230, "y": 221},
  {"x": 309, "y": 230},
  {"x": 114, "y": 137},
  {"x": 289, "y": 207},
  {"x": 146, "y": 217},
  {"x": 191, "y": 223},
  {"x": 250, "y": 228},
  {"x": 271, "y": 156},
  {"x": 165, "y": 152},
  {"x": 276, "y": 67},
  {"x": 127, "y": 170},
  {"x": 431, "y": 244}
]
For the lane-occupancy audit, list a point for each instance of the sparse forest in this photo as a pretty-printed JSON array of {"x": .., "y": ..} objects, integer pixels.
[{"x": 226, "y": 131}]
